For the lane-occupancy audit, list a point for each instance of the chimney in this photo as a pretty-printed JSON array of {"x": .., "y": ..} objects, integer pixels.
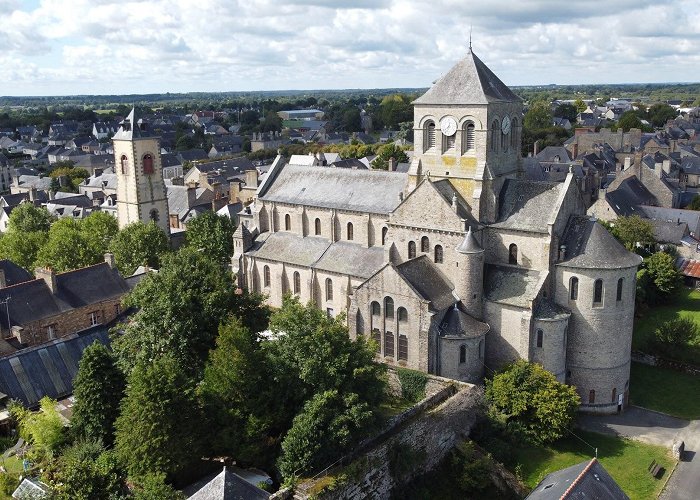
[
  {"x": 3, "y": 280},
  {"x": 251, "y": 178},
  {"x": 218, "y": 203},
  {"x": 48, "y": 276},
  {"x": 177, "y": 181},
  {"x": 392, "y": 164},
  {"x": 191, "y": 194},
  {"x": 98, "y": 172},
  {"x": 203, "y": 179},
  {"x": 658, "y": 170},
  {"x": 666, "y": 166},
  {"x": 32, "y": 194},
  {"x": 234, "y": 191},
  {"x": 628, "y": 162},
  {"x": 109, "y": 259}
]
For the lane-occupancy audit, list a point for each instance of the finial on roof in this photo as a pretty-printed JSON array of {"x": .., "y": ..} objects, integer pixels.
[{"x": 470, "y": 37}]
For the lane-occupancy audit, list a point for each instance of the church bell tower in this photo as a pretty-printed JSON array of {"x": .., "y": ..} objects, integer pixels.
[{"x": 141, "y": 192}]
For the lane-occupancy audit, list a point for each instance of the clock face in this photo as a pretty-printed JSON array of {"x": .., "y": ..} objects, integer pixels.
[
  {"x": 505, "y": 125},
  {"x": 448, "y": 125}
]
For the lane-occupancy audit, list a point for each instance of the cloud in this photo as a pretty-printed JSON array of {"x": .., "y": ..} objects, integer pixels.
[{"x": 112, "y": 46}]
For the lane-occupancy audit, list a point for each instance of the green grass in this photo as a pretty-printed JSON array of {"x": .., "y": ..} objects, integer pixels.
[
  {"x": 625, "y": 460},
  {"x": 686, "y": 303},
  {"x": 392, "y": 406},
  {"x": 665, "y": 390}
]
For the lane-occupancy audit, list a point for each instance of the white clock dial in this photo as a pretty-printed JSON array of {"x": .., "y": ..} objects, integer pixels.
[
  {"x": 448, "y": 125},
  {"x": 505, "y": 125}
]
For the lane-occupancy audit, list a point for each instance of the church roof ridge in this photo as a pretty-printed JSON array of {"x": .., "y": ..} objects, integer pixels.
[{"x": 469, "y": 81}]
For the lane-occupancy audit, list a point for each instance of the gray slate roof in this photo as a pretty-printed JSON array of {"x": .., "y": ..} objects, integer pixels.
[
  {"x": 340, "y": 188},
  {"x": 590, "y": 245},
  {"x": 468, "y": 82},
  {"x": 13, "y": 273},
  {"x": 428, "y": 281},
  {"x": 690, "y": 217},
  {"x": 587, "y": 480},
  {"x": 525, "y": 205},
  {"x": 669, "y": 232},
  {"x": 351, "y": 259},
  {"x": 226, "y": 485},
  {"x": 457, "y": 323},
  {"x": 47, "y": 369},
  {"x": 130, "y": 128},
  {"x": 511, "y": 285}
]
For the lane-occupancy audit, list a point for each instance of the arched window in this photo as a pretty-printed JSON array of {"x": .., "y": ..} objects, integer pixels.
[
  {"x": 462, "y": 354},
  {"x": 411, "y": 249},
  {"x": 598, "y": 292},
  {"x": 389, "y": 344},
  {"x": 513, "y": 254},
  {"x": 124, "y": 162},
  {"x": 468, "y": 138},
  {"x": 403, "y": 347},
  {"x": 425, "y": 244},
  {"x": 154, "y": 215},
  {"x": 374, "y": 316},
  {"x": 573, "y": 288},
  {"x": 591, "y": 396},
  {"x": 540, "y": 335},
  {"x": 287, "y": 222},
  {"x": 297, "y": 283},
  {"x": 438, "y": 254},
  {"x": 359, "y": 323},
  {"x": 614, "y": 395},
  {"x": 329, "y": 289},
  {"x": 148, "y": 164},
  {"x": 317, "y": 227},
  {"x": 266, "y": 276},
  {"x": 376, "y": 309},
  {"x": 377, "y": 337},
  {"x": 620, "y": 283},
  {"x": 448, "y": 142},
  {"x": 429, "y": 138},
  {"x": 402, "y": 315},
  {"x": 504, "y": 142},
  {"x": 514, "y": 133},
  {"x": 494, "y": 135},
  {"x": 389, "y": 308},
  {"x": 350, "y": 231},
  {"x": 384, "y": 231}
]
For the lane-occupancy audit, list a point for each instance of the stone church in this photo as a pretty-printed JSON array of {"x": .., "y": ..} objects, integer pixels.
[{"x": 458, "y": 264}]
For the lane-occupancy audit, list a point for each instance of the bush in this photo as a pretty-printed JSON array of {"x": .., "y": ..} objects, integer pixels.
[
  {"x": 676, "y": 333},
  {"x": 412, "y": 384},
  {"x": 8, "y": 483}
]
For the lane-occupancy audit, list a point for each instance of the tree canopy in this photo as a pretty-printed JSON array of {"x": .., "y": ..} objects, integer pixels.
[
  {"x": 138, "y": 244},
  {"x": 538, "y": 116},
  {"x": 633, "y": 230},
  {"x": 212, "y": 234},
  {"x": 658, "y": 279}
]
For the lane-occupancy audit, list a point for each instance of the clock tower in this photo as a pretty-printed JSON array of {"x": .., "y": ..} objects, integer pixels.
[
  {"x": 467, "y": 129},
  {"x": 141, "y": 192}
]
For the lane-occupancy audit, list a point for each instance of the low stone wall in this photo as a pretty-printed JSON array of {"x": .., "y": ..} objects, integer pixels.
[
  {"x": 650, "y": 359},
  {"x": 413, "y": 444}
]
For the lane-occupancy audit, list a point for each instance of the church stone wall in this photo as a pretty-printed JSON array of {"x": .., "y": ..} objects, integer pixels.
[
  {"x": 533, "y": 248},
  {"x": 508, "y": 339},
  {"x": 472, "y": 369},
  {"x": 552, "y": 354}
]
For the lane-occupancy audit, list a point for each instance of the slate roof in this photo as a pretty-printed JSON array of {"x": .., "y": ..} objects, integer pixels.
[
  {"x": 226, "y": 485},
  {"x": 690, "y": 217},
  {"x": 587, "y": 480},
  {"x": 590, "y": 245},
  {"x": 33, "y": 300},
  {"x": 511, "y": 285},
  {"x": 430, "y": 283},
  {"x": 468, "y": 82},
  {"x": 691, "y": 165},
  {"x": 13, "y": 273},
  {"x": 351, "y": 259},
  {"x": 550, "y": 152},
  {"x": 47, "y": 369},
  {"x": 469, "y": 244},
  {"x": 349, "y": 163},
  {"x": 669, "y": 232},
  {"x": 457, "y": 323},
  {"x": 523, "y": 204},
  {"x": 343, "y": 189},
  {"x": 132, "y": 128},
  {"x": 447, "y": 191},
  {"x": 631, "y": 193},
  {"x": 548, "y": 310},
  {"x": 179, "y": 201},
  {"x": 228, "y": 168}
]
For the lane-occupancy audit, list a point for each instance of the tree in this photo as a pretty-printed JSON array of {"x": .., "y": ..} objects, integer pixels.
[
  {"x": 531, "y": 402},
  {"x": 628, "y": 120},
  {"x": 387, "y": 152},
  {"x": 138, "y": 244},
  {"x": 538, "y": 116},
  {"x": 212, "y": 234},
  {"x": 98, "y": 389},
  {"x": 660, "y": 113},
  {"x": 567, "y": 111},
  {"x": 658, "y": 279},
  {"x": 44, "y": 429},
  {"x": 351, "y": 120},
  {"x": 22, "y": 248},
  {"x": 67, "y": 248},
  {"x": 157, "y": 427},
  {"x": 179, "y": 311},
  {"x": 99, "y": 228},
  {"x": 580, "y": 105},
  {"x": 633, "y": 230},
  {"x": 154, "y": 487},
  {"x": 326, "y": 428},
  {"x": 395, "y": 109},
  {"x": 26, "y": 218},
  {"x": 677, "y": 332}
]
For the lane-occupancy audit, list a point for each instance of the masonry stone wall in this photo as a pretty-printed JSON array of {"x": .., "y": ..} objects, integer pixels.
[
  {"x": 508, "y": 338},
  {"x": 552, "y": 353},
  {"x": 533, "y": 248}
]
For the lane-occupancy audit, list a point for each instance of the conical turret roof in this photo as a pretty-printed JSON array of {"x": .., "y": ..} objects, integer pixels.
[
  {"x": 469, "y": 81},
  {"x": 469, "y": 244}
]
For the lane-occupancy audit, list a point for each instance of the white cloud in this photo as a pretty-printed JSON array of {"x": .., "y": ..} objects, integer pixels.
[{"x": 110, "y": 46}]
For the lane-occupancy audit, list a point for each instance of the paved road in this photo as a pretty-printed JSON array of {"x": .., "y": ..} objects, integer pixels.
[{"x": 657, "y": 428}]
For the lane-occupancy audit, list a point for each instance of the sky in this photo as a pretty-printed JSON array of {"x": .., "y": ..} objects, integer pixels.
[{"x": 67, "y": 47}]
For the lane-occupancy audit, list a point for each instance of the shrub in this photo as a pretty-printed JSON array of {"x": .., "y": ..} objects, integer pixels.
[
  {"x": 412, "y": 384},
  {"x": 8, "y": 483}
]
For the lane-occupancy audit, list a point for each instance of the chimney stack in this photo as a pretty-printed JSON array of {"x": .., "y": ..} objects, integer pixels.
[
  {"x": 3, "y": 280},
  {"x": 392, "y": 164},
  {"x": 234, "y": 191},
  {"x": 48, "y": 276},
  {"x": 251, "y": 178},
  {"x": 109, "y": 259}
]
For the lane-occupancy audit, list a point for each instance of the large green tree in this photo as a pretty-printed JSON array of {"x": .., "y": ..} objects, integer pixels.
[
  {"x": 98, "y": 389},
  {"x": 212, "y": 234},
  {"x": 658, "y": 279},
  {"x": 385, "y": 153},
  {"x": 538, "y": 116},
  {"x": 27, "y": 231},
  {"x": 138, "y": 244},
  {"x": 531, "y": 402},
  {"x": 99, "y": 228},
  {"x": 67, "y": 248},
  {"x": 660, "y": 113},
  {"x": 329, "y": 424},
  {"x": 633, "y": 230},
  {"x": 179, "y": 311},
  {"x": 26, "y": 218},
  {"x": 567, "y": 111},
  {"x": 44, "y": 429},
  {"x": 158, "y": 428},
  {"x": 628, "y": 120}
]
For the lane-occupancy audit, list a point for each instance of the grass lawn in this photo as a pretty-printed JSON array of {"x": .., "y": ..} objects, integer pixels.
[
  {"x": 625, "y": 460},
  {"x": 665, "y": 390},
  {"x": 392, "y": 406},
  {"x": 686, "y": 303}
]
